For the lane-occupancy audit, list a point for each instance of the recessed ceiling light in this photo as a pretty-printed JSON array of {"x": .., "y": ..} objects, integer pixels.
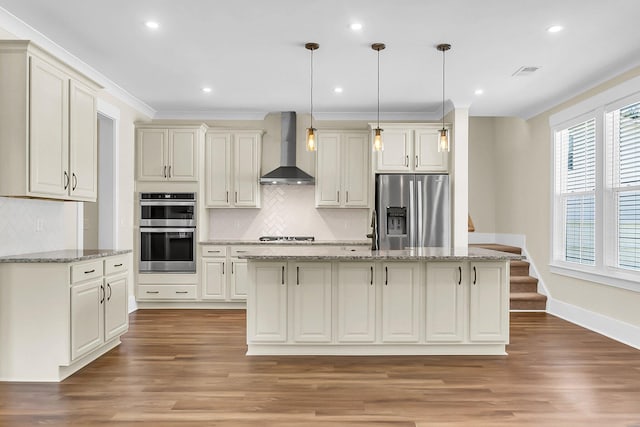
[
  {"x": 356, "y": 26},
  {"x": 152, "y": 24},
  {"x": 206, "y": 89},
  {"x": 479, "y": 91},
  {"x": 555, "y": 28},
  {"x": 337, "y": 89}
]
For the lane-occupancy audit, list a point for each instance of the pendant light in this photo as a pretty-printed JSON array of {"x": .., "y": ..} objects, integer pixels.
[
  {"x": 443, "y": 141},
  {"x": 377, "y": 138},
  {"x": 311, "y": 136}
]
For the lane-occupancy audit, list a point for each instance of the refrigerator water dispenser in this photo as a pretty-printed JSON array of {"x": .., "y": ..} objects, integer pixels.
[{"x": 396, "y": 221}]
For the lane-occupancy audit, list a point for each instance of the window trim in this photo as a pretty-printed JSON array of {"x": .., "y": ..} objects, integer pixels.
[{"x": 603, "y": 271}]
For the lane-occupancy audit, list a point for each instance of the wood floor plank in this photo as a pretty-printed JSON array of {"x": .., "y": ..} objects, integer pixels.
[{"x": 188, "y": 368}]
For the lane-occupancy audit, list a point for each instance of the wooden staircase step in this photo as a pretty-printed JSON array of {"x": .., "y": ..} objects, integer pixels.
[
  {"x": 524, "y": 284},
  {"x": 527, "y": 301},
  {"x": 498, "y": 247},
  {"x": 519, "y": 268}
]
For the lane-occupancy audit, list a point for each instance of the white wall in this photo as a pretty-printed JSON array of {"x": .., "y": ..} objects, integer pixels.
[{"x": 482, "y": 174}]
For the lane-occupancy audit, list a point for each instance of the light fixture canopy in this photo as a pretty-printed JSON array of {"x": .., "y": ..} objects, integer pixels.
[
  {"x": 377, "y": 139},
  {"x": 311, "y": 136},
  {"x": 443, "y": 140}
]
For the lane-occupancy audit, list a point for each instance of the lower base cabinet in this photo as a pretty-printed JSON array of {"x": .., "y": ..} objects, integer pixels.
[{"x": 379, "y": 307}]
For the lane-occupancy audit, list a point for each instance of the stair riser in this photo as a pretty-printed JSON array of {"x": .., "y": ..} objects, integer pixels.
[
  {"x": 524, "y": 287},
  {"x": 528, "y": 305},
  {"x": 519, "y": 271}
]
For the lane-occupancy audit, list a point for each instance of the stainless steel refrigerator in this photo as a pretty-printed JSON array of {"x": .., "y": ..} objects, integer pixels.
[{"x": 413, "y": 210}]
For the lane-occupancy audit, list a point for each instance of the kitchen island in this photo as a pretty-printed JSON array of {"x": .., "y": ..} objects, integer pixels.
[{"x": 418, "y": 301}]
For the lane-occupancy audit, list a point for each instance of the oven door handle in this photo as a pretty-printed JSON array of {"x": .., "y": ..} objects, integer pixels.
[
  {"x": 167, "y": 203},
  {"x": 167, "y": 230}
]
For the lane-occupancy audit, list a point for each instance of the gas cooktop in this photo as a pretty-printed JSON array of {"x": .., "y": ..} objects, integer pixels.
[{"x": 287, "y": 239}]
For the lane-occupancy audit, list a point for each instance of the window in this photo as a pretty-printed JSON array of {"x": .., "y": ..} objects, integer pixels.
[{"x": 596, "y": 189}]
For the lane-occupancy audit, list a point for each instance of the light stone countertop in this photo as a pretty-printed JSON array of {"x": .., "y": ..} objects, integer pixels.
[
  {"x": 256, "y": 242},
  {"x": 410, "y": 254},
  {"x": 62, "y": 256}
]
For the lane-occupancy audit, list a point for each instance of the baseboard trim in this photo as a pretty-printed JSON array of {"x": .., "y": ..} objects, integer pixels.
[
  {"x": 133, "y": 304},
  {"x": 615, "y": 329}
]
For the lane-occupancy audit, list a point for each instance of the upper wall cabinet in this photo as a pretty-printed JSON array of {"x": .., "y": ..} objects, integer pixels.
[
  {"x": 168, "y": 153},
  {"x": 232, "y": 168},
  {"x": 342, "y": 169},
  {"x": 410, "y": 148},
  {"x": 48, "y": 126}
]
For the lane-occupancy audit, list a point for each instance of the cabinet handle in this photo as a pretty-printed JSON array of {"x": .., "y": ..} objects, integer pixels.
[
  {"x": 386, "y": 276},
  {"x": 213, "y": 252},
  {"x": 169, "y": 171},
  {"x": 165, "y": 171},
  {"x": 347, "y": 201},
  {"x": 338, "y": 193},
  {"x": 102, "y": 290},
  {"x": 460, "y": 273},
  {"x": 475, "y": 275},
  {"x": 75, "y": 181},
  {"x": 297, "y": 275},
  {"x": 283, "y": 274},
  {"x": 153, "y": 292},
  {"x": 66, "y": 180},
  {"x": 371, "y": 283},
  {"x": 109, "y": 287},
  {"x": 232, "y": 267},
  {"x": 240, "y": 252},
  {"x": 223, "y": 267},
  {"x": 182, "y": 292},
  {"x": 90, "y": 271},
  {"x": 236, "y": 197},
  {"x": 117, "y": 265},
  {"x": 407, "y": 161},
  {"x": 416, "y": 161}
]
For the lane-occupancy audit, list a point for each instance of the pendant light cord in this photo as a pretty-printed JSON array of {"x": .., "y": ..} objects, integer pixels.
[
  {"x": 443, "y": 88},
  {"x": 311, "y": 118},
  {"x": 378, "y": 89}
]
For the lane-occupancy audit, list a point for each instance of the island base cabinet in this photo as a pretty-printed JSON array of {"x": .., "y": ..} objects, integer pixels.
[
  {"x": 489, "y": 302},
  {"x": 311, "y": 302},
  {"x": 267, "y": 303},
  {"x": 400, "y": 302},
  {"x": 446, "y": 283},
  {"x": 356, "y": 302}
]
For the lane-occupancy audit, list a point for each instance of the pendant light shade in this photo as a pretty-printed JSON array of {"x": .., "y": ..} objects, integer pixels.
[
  {"x": 377, "y": 139},
  {"x": 311, "y": 135},
  {"x": 443, "y": 141}
]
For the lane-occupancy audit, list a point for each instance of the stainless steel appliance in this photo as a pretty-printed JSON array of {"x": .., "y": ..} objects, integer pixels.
[
  {"x": 167, "y": 233},
  {"x": 413, "y": 210}
]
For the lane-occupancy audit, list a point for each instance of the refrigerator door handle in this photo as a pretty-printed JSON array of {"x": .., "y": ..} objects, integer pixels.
[
  {"x": 412, "y": 214},
  {"x": 420, "y": 217}
]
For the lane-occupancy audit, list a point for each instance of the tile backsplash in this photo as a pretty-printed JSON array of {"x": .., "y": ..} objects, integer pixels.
[
  {"x": 28, "y": 225},
  {"x": 289, "y": 210}
]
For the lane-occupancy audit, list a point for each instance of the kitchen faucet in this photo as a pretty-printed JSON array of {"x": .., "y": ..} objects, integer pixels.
[{"x": 374, "y": 232}]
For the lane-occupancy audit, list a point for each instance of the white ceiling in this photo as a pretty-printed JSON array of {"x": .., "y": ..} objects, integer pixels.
[{"x": 251, "y": 52}]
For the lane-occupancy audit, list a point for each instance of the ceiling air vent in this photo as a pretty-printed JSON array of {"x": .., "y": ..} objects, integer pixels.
[{"x": 525, "y": 71}]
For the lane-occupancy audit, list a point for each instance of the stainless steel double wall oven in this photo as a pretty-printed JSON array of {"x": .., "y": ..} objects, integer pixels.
[{"x": 167, "y": 232}]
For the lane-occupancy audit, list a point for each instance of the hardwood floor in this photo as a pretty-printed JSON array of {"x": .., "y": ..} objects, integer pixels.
[{"x": 188, "y": 368}]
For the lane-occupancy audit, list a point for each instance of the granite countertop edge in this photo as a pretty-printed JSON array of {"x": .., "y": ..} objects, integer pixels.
[
  {"x": 62, "y": 256},
  {"x": 256, "y": 242}
]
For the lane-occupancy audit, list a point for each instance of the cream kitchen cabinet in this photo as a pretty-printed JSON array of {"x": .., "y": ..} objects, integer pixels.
[
  {"x": 310, "y": 293},
  {"x": 410, "y": 148},
  {"x": 401, "y": 302},
  {"x": 60, "y": 312},
  {"x": 232, "y": 169},
  {"x": 267, "y": 304},
  {"x": 356, "y": 302},
  {"x": 446, "y": 286},
  {"x": 224, "y": 275},
  {"x": 49, "y": 126},
  {"x": 168, "y": 153},
  {"x": 342, "y": 169},
  {"x": 488, "y": 302}
]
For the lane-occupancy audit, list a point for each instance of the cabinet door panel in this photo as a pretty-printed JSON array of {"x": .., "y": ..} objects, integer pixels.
[
  {"x": 427, "y": 158},
  {"x": 356, "y": 302},
  {"x": 356, "y": 170},
  {"x": 48, "y": 130},
  {"x": 83, "y": 143},
  {"x": 247, "y": 170},
  {"x": 116, "y": 313},
  {"x": 445, "y": 286},
  {"x": 87, "y": 328},
  {"x": 218, "y": 170},
  {"x": 312, "y": 302},
  {"x": 239, "y": 279},
  {"x": 151, "y": 152},
  {"x": 328, "y": 170},
  {"x": 267, "y": 303},
  {"x": 489, "y": 302},
  {"x": 397, "y": 152},
  {"x": 183, "y": 155},
  {"x": 214, "y": 279},
  {"x": 400, "y": 302}
]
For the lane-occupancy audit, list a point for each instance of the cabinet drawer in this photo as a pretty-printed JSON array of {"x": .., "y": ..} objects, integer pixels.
[
  {"x": 167, "y": 292},
  {"x": 115, "y": 265},
  {"x": 240, "y": 250},
  {"x": 86, "y": 271},
  {"x": 219, "y": 251}
]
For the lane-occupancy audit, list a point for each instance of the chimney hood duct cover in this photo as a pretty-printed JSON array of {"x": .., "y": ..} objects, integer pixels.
[{"x": 288, "y": 173}]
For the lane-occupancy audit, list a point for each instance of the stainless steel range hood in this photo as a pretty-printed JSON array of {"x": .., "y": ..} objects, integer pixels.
[{"x": 288, "y": 173}]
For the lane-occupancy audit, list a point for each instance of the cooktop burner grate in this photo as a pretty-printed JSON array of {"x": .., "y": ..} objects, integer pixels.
[{"x": 287, "y": 239}]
